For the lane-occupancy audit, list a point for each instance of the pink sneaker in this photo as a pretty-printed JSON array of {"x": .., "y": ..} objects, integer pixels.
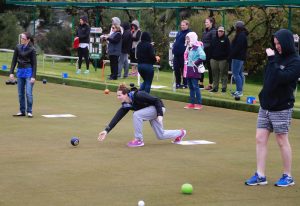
[
  {"x": 189, "y": 106},
  {"x": 135, "y": 143},
  {"x": 198, "y": 106},
  {"x": 180, "y": 137}
]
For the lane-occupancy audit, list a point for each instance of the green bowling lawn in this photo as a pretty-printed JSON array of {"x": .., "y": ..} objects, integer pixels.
[{"x": 39, "y": 166}]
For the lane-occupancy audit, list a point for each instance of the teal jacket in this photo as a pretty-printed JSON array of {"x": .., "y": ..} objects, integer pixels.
[{"x": 196, "y": 56}]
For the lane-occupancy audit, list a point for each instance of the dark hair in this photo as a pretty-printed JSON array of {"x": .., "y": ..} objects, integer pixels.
[
  {"x": 212, "y": 21},
  {"x": 29, "y": 36}
]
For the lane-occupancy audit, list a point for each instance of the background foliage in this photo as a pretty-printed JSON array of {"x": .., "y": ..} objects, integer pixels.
[{"x": 54, "y": 28}]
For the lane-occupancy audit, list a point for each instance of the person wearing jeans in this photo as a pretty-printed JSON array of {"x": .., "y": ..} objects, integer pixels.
[
  {"x": 25, "y": 57},
  {"x": 238, "y": 56},
  {"x": 194, "y": 56},
  {"x": 146, "y": 108},
  {"x": 237, "y": 72},
  {"x": 147, "y": 73},
  {"x": 146, "y": 58}
]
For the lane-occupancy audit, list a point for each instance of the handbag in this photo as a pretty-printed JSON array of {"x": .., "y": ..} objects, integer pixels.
[{"x": 200, "y": 67}]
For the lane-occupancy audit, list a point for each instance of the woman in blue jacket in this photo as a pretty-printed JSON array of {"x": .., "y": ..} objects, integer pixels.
[{"x": 276, "y": 106}]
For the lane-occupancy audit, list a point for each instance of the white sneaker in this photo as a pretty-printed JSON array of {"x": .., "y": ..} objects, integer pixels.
[
  {"x": 78, "y": 71},
  {"x": 87, "y": 71},
  {"x": 29, "y": 115}
]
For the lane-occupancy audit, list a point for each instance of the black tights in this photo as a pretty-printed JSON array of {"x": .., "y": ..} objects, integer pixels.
[{"x": 83, "y": 52}]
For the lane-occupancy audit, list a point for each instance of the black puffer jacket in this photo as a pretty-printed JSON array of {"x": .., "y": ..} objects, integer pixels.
[
  {"x": 126, "y": 39},
  {"x": 25, "y": 57},
  {"x": 83, "y": 32},
  {"x": 281, "y": 75}
]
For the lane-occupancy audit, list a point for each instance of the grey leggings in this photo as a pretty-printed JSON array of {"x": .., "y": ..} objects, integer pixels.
[{"x": 150, "y": 114}]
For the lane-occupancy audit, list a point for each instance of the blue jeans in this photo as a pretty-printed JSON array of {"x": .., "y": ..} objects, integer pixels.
[
  {"x": 24, "y": 84},
  {"x": 147, "y": 73},
  {"x": 237, "y": 67},
  {"x": 195, "y": 94}
]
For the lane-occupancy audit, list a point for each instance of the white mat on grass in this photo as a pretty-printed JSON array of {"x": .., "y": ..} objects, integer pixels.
[
  {"x": 194, "y": 142},
  {"x": 58, "y": 115},
  {"x": 157, "y": 86}
]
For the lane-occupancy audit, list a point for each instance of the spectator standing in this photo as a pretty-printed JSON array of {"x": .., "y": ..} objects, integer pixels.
[
  {"x": 114, "y": 49},
  {"x": 178, "y": 51},
  {"x": 220, "y": 50},
  {"x": 207, "y": 36},
  {"x": 146, "y": 58},
  {"x": 25, "y": 59},
  {"x": 194, "y": 56},
  {"x": 238, "y": 56},
  {"x": 83, "y": 33},
  {"x": 276, "y": 106},
  {"x": 126, "y": 48},
  {"x": 136, "y": 37}
]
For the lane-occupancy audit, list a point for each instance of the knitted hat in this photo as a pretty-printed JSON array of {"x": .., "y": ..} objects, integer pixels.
[{"x": 239, "y": 24}]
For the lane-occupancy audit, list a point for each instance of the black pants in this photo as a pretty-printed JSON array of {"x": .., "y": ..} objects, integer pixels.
[
  {"x": 114, "y": 61},
  {"x": 207, "y": 66},
  {"x": 178, "y": 64},
  {"x": 83, "y": 52}
]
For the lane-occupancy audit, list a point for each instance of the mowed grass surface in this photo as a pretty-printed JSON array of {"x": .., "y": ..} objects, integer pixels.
[
  {"x": 55, "y": 67},
  {"x": 40, "y": 167}
]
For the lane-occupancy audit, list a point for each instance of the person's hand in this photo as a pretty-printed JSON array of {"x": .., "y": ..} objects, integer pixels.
[
  {"x": 12, "y": 77},
  {"x": 160, "y": 119},
  {"x": 32, "y": 80},
  {"x": 270, "y": 52},
  {"x": 102, "y": 135}
]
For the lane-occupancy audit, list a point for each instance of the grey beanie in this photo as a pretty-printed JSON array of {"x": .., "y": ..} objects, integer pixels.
[
  {"x": 239, "y": 24},
  {"x": 116, "y": 20}
]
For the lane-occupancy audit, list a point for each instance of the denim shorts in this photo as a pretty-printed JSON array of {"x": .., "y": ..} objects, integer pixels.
[{"x": 277, "y": 121}]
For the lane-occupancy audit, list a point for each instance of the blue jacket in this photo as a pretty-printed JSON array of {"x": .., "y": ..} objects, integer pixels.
[
  {"x": 281, "y": 75},
  {"x": 196, "y": 56},
  {"x": 178, "y": 46},
  {"x": 115, "y": 44}
]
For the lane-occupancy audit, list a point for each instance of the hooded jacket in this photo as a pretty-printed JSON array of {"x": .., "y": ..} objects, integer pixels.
[
  {"x": 136, "y": 34},
  {"x": 281, "y": 75},
  {"x": 126, "y": 39},
  {"x": 179, "y": 44},
  {"x": 239, "y": 46},
  {"x": 145, "y": 52}
]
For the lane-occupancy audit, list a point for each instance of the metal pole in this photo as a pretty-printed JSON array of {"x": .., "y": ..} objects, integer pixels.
[
  {"x": 177, "y": 19},
  {"x": 290, "y": 19},
  {"x": 223, "y": 18}
]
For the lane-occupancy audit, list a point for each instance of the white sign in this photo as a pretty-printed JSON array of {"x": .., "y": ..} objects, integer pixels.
[{"x": 97, "y": 30}]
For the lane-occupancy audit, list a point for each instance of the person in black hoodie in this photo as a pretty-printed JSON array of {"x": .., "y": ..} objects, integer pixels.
[
  {"x": 83, "y": 33},
  {"x": 146, "y": 108},
  {"x": 126, "y": 48},
  {"x": 178, "y": 51},
  {"x": 276, "y": 105},
  {"x": 220, "y": 49},
  {"x": 146, "y": 58},
  {"x": 238, "y": 56},
  {"x": 25, "y": 57}
]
